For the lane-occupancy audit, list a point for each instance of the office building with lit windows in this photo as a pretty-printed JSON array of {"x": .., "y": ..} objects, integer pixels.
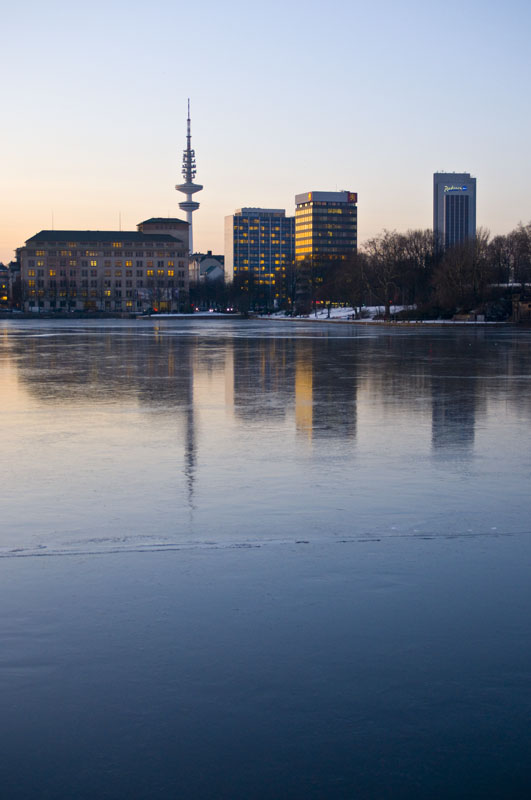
[
  {"x": 259, "y": 247},
  {"x": 454, "y": 207},
  {"x": 326, "y": 225},
  {"x": 125, "y": 271}
]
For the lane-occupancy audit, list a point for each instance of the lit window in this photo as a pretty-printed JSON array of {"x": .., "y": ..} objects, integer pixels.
[
  {"x": 93, "y": 263},
  {"x": 116, "y": 244}
]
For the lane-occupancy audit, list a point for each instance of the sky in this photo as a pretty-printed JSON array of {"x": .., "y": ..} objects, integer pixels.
[{"x": 287, "y": 97}]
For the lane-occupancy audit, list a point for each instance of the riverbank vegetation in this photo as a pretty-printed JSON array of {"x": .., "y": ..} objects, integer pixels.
[{"x": 408, "y": 269}]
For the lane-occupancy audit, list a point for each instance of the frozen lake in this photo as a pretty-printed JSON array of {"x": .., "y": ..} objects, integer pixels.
[{"x": 264, "y": 560}]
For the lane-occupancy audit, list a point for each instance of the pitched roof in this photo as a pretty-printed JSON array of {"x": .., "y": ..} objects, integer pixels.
[
  {"x": 101, "y": 236},
  {"x": 162, "y": 220}
]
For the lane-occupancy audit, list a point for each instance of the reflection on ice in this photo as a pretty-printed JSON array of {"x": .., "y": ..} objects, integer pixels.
[{"x": 171, "y": 434}]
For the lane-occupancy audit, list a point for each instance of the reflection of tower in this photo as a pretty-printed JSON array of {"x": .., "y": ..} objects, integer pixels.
[
  {"x": 190, "y": 453},
  {"x": 189, "y": 187}
]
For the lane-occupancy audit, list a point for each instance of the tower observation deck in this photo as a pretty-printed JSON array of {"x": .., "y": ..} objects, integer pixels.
[{"x": 189, "y": 188}]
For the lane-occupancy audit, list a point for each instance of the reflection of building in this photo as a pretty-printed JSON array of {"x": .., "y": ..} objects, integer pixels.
[
  {"x": 326, "y": 225},
  {"x": 456, "y": 398},
  {"x": 325, "y": 407},
  {"x": 262, "y": 384},
  {"x": 129, "y": 367},
  {"x": 453, "y": 419},
  {"x": 107, "y": 270},
  {"x": 259, "y": 246},
  {"x": 454, "y": 207}
]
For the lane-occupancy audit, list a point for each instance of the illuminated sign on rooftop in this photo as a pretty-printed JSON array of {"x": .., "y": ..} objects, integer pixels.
[{"x": 455, "y": 188}]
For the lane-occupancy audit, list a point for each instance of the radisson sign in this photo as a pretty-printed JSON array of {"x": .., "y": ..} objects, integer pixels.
[{"x": 455, "y": 188}]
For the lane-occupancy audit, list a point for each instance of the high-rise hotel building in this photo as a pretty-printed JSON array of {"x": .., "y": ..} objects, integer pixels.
[
  {"x": 259, "y": 242},
  {"x": 326, "y": 225},
  {"x": 454, "y": 207}
]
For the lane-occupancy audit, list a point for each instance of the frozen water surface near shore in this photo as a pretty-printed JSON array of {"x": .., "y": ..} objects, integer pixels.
[{"x": 252, "y": 559}]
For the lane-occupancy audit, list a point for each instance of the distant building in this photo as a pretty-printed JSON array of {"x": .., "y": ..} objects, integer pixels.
[
  {"x": 128, "y": 271},
  {"x": 206, "y": 267},
  {"x": 259, "y": 247},
  {"x": 5, "y": 287},
  {"x": 454, "y": 207},
  {"x": 326, "y": 225}
]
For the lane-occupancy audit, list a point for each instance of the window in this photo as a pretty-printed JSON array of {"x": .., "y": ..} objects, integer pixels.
[
  {"x": 93, "y": 263},
  {"x": 116, "y": 244},
  {"x": 52, "y": 273}
]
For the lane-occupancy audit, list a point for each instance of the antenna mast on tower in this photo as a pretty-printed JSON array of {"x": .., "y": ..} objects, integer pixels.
[{"x": 189, "y": 188}]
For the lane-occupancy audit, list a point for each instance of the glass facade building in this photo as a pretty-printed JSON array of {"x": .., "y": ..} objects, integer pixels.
[
  {"x": 259, "y": 247},
  {"x": 454, "y": 207},
  {"x": 326, "y": 225}
]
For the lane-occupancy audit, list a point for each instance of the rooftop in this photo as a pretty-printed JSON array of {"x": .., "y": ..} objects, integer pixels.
[
  {"x": 163, "y": 221},
  {"x": 100, "y": 236}
]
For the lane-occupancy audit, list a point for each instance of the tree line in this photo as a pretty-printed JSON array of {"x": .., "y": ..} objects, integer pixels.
[{"x": 409, "y": 269}]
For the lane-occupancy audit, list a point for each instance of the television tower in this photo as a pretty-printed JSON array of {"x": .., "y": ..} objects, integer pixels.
[{"x": 189, "y": 187}]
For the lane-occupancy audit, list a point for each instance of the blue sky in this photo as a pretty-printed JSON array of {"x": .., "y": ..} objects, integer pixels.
[{"x": 286, "y": 97}]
